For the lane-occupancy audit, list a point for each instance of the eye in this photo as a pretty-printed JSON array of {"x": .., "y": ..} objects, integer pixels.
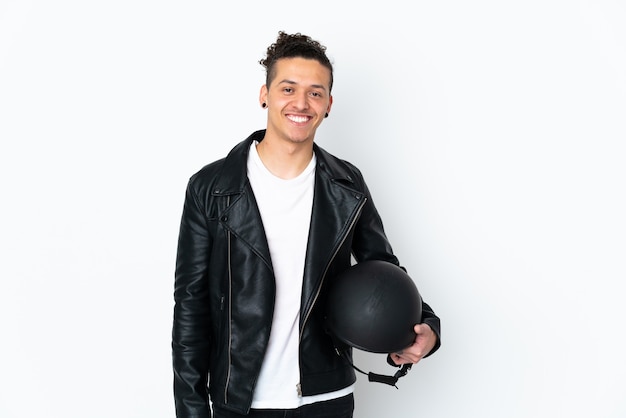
[{"x": 288, "y": 90}]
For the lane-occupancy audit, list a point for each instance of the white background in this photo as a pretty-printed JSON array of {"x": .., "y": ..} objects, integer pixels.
[{"x": 491, "y": 135}]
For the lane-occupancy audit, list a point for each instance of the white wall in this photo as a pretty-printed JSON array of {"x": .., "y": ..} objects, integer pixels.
[{"x": 491, "y": 135}]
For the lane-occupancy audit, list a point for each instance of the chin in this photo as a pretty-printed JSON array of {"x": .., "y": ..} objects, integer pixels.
[{"x": 299, "y": 139}]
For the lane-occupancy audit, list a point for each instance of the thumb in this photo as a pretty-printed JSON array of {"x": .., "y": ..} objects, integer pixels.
[{"x": 419, "y": 328}]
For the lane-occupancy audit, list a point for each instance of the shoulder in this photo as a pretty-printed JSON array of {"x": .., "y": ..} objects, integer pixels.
[
  {"x": 208, "y": 172},
  {"x": 227, "y": 173},
  {"x": 337, "y": 168}
]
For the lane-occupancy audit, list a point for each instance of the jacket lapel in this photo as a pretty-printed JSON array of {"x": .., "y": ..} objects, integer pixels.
[
  {"x": 336, "y": 206},
  {"x": 241, "y": 215},
  {"x": 243, "y": 219}
]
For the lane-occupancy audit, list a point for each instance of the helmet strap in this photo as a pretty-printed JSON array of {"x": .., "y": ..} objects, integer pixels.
[
  {"x": 379, "y": 378},
  {"x": 390, "y": 380}
]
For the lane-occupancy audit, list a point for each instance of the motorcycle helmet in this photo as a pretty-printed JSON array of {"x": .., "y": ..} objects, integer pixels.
[{"x": 374, "y": 306}]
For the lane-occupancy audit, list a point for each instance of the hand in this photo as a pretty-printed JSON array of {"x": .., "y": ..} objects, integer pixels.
[{"x": 424, "y": 343}]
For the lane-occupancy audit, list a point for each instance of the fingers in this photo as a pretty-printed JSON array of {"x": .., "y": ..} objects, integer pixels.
[
  {"x": 417, "y": 350},
  {"x": 411, "y": 354},
  {"x": 400, "y": 359}
]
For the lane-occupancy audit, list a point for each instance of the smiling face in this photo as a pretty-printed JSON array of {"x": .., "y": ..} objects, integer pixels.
[{"x": 297, "y": 99}]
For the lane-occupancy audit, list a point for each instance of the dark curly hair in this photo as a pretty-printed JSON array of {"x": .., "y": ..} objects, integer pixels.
[{"x": 291, "y": 46}]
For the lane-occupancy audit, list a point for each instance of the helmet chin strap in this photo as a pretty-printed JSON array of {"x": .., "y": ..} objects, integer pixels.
[
  {"x": 389, "y": 380},
  {"x": 379, "y": 378}
]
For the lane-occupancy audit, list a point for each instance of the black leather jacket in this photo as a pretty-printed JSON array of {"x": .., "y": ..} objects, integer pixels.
[{"x": 224, "y": 288}]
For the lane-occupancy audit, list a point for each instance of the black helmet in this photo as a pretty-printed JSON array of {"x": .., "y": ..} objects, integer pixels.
[{"x": 373, "y": 306}]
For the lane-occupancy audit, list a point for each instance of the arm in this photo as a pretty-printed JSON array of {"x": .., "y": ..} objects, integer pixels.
[
  {"x": 190, "y": 333},
  {"x": 372, "y": 243}
]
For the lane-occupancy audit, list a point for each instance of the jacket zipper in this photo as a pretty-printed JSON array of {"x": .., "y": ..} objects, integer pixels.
[
  {"x": 229, "y": 311},
  {"x": 317, "y": 293}
]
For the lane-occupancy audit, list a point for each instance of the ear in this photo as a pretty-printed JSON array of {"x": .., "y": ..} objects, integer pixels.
[
  {"x": 330, "y": 103},
  {"x": 263, "y": 94}
]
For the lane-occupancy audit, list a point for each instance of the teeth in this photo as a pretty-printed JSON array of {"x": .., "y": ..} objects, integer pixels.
[{"x": 298, "y": 119}]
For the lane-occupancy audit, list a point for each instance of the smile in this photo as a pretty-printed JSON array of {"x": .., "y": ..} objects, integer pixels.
[{"x": 298, "y": 119}]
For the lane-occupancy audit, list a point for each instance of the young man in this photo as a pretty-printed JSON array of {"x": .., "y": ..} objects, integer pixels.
[{"x": 263, "y": 233}]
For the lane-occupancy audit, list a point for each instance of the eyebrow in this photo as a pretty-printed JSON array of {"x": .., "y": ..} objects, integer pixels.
[{"x": 317, "y": 86}]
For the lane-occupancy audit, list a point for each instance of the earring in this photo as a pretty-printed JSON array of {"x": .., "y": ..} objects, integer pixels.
[
  {"x": 264, "y": 105},
  {"x": 326, "y": 115}
]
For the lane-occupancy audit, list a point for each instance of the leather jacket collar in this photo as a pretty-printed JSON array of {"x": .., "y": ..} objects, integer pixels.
[{"x": 233, "y": 177}]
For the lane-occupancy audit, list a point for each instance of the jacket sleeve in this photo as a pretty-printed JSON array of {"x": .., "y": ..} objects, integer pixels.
[
  {"x": 191, "y": 331},
  {"x": 432, "y": 320},
  {"x": 371, "y": 243}
]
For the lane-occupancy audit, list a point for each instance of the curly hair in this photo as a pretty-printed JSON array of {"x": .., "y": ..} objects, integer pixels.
[{"x": 291, "y": 46}]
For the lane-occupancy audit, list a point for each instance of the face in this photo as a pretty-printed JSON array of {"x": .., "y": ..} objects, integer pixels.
[{"x": 297, "y": 100}]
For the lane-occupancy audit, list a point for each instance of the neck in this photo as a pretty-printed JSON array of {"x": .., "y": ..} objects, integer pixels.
[{"x": 285, "y": 160}]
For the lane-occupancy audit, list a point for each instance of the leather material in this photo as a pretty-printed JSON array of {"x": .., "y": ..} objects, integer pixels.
[{"x": 224, "y": 286}]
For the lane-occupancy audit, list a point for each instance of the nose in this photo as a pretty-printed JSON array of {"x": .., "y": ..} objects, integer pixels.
[{"x": 301, "y": 101}]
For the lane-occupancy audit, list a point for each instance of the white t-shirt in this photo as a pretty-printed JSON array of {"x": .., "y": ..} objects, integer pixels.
[{"x": 285, "y": 207}]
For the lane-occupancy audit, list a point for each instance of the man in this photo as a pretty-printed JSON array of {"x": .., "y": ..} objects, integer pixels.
[{"x": 263, "y": 232}]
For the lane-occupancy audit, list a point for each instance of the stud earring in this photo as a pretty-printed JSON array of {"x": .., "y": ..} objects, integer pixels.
[
  {"x": 264, "y": 105},
  {"x": 326, "y": 115}
]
